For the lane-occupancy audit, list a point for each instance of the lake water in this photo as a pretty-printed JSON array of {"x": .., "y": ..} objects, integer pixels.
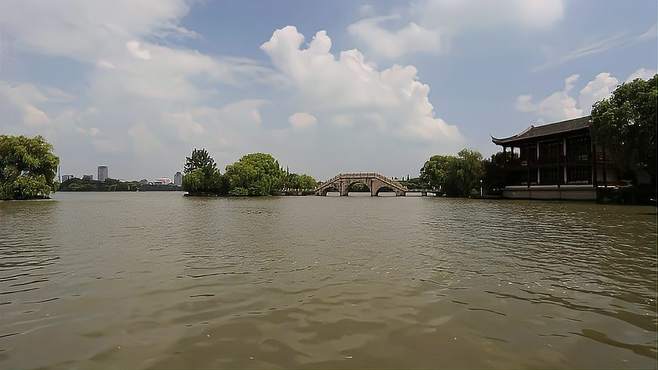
[{"x": 158, "y": 280}]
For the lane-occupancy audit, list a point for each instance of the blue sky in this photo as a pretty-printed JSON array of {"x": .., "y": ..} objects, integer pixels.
[{"x": 325, "y": 86}]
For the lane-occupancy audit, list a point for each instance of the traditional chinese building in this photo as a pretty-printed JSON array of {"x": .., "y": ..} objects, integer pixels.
[{"x": 555, "y": 161}]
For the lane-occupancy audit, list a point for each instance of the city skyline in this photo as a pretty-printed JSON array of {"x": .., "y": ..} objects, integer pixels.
[
  {"x": 323, "y": 87},
  {"x": 64, "y": 175}
]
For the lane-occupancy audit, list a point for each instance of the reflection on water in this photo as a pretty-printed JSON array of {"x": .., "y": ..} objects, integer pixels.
[{"x": 156, "y": 280}]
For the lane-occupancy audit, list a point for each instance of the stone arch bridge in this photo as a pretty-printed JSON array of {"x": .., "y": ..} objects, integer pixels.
[{"x": 374, "y": 181}]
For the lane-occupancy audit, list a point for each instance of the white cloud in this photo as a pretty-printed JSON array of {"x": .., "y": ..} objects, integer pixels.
[
  {"x": 22, "y": 104},
  {"x": 643, "y": 73},
  {"x": 563, "y": 104},
  {"x": 137, "y": 51},
  {"x": 392, "y": 44},
  {"x": 185, "y": 123},
  {"x": 366, "y": 10},
  {"x": 142, "y": 102},
  {"x": 599, "y": 88},
  {"x": 145, "y": 141},
  {"x": 145, "y": 100},
  {"x": 113, "y": 38},
  {"x": 83, "y": 30},
  {"x": 427, "y": 22},
  {"x": 649, "y": 34},
  {"x": 570, "y": 81},
  {"x": 33, "y": 116},
  {"x": 391, "y": 100},
  {"x": 91, "y": 131},
  {"x": 596, "y": 47},
  {"x": 302, "y": 120},
  {"x": 538, "y": 13},
  {"x": 524, "y": 103},
  {"x": 557, "y": 106},
  {"x": 344, "y": 120},
  {"x": 474, "y": 14},
  {"x": 105, "y": 64}
]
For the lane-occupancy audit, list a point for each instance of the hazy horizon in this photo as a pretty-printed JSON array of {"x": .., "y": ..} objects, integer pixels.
[{"x": 325, "y": 87}]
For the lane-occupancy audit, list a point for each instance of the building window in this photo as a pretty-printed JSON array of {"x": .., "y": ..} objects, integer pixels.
[
  {"x": 549, "y": 176},
  {"x": 531, "y": 174},
  {"x": 578, "y": 149},
  {"x": 579, "y": 174},
  {"x": 549, "y": 152},
  {"x": 528, "y": 153}
]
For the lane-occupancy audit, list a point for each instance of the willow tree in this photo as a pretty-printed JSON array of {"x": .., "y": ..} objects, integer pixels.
[
  {"x": 255, "y": 174},
  {"x": 27, "y": 167},
  {"x": 455, "y": 176}
]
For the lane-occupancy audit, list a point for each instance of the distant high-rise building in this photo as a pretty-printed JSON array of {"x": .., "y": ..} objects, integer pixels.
[
  {"x": 178, "y": 179},
  {"x": 67, "y": 177},
  {"x": 102, "y": 173},
  {"x": 162, "y": 181}
]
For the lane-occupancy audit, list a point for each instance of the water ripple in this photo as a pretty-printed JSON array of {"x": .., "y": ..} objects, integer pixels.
[{"x": 154, "y": 280}]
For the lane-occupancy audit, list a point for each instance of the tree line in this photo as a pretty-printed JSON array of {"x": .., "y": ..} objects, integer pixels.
[
  {"x": 254, "y": 174},
  {"x": 461, "y": 175},
  {"x": 76, "y": 184}
]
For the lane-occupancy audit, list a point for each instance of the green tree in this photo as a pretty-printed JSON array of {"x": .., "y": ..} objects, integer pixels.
[
  {"x": 27, "y": 167},
  {"x": 415, "y": 183},
  {"x": 202, "y": 176},
  {"x": 469, "y": 171},
  {"x": 625, "y": 125},
  {"x": 293, "y": 181},
  {"x": 494, "y": 173},
  {"x": 435, "y": 171},
  {"x": 455, "y": 176},
  {"x": 199, "y": 159},
  {"x": 307, "y": 182},
  {"x": 255, "y": 174}
]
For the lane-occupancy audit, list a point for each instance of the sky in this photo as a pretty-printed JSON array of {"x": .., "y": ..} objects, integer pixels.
[{"x": 324, "y": 86}]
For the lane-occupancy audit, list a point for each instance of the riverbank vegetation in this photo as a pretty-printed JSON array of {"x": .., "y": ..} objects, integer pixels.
[
  {"x": 625, "y": 125},
  {"x": 255, "y": 174},
  {"x": 76, "y": 184},
  {"x": 463, "y": 175},
  {"x": 27, "y": 167},
  {"x": 454, "y": 175}
]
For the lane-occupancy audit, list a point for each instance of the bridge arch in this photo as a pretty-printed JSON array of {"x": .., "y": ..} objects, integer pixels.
[
  {"x": 383, "y": 189},
  {"x": 354, "y": 185},
  {"x": 329, "y": 189},
  {"x": 374, "y": 181}
]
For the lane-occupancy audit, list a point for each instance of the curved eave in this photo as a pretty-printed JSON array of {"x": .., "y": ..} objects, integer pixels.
[{"x": 501, "y": 141}]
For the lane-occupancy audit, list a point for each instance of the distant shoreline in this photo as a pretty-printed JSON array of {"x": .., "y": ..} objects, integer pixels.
[
  {"x": 178, "y": 188},
  {"x": 112, "y": 185}
]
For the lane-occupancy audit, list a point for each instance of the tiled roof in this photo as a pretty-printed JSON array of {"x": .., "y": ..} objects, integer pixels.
[{"x": 546, "y": 130}]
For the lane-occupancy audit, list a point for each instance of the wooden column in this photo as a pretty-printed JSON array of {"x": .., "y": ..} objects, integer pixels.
[
  {"x": 595, "y": 180},
  {"x": 559, "y": 161},
  {"x": 563, "y": 173},
  {"x": 528, "y": 162},
  {"x": 605, "y": 175}
]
